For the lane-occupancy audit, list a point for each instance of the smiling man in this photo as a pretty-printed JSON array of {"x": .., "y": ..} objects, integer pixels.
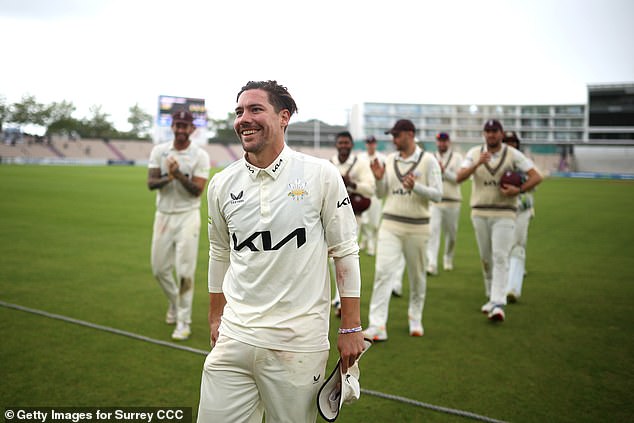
[{"x": 275, "y": 216}]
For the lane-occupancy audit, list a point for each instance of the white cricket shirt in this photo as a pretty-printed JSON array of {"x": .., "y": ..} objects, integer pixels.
[
  {"x": 192, "y": 161},
  {"x": 277, "y": 227}
]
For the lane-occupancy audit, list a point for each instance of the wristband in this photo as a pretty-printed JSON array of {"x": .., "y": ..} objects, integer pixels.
[{"x": 343, "y": 331}]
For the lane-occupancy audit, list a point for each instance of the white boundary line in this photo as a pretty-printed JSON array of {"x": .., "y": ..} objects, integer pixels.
[{"x": 404, "y": 400}]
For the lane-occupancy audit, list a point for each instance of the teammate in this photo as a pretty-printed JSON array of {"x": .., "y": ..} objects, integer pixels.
[
  {"x": 446, "y": 213},
  {"x": 358, "y": 179},
  {"x": 372, "y": 216},
  {"x": 409, "y": 179},
  {"x": 354, "y": 169},
  {"x": 493, "y": 209},
  {"x": 275, "y": 216},
  {"x": 179, "y": 171},
  {"x": 525, "y": 212}
]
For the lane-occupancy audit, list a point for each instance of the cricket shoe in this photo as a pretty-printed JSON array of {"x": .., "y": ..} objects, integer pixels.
[
  {"x": 182, "y": 332},
  {"x": 432, "y": 270},
  {"x": 416, "y": 328},
  {"x": 486, "y": 308},
  {"x": 170, "y": 316},
  {"x": 497, "y": 313},
  {"x": 376, "y": 333},
  {"x": 447, "y": 265},
  {"x": 511, "y": 297}
]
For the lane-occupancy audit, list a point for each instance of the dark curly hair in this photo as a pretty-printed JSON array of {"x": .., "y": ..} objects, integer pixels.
[{"x": 279, "y": 96}]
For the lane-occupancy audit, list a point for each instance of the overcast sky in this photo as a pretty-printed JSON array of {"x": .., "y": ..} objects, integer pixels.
[{"x": 330, "y": 54}]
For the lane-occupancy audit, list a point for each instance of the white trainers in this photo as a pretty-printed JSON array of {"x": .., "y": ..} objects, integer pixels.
[
  {"x": 511, "y": 297},
  {"x": 376, "y": 333},
  {"x": 486, "y": 309},
  {"x": 170, "y": 316},
  {"x": 181, "y": 332},
  {"x": 416, "y": 328},
  {"x": 447, "y": 266},
  {"x": 432, "y": 270},
  {"x": 497, "y": 313}
]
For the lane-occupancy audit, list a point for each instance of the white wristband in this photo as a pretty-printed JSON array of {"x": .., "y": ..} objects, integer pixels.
[{"x": 343, "y": 331}]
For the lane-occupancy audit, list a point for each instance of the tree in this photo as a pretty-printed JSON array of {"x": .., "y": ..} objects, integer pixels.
[
  {"x": 141, "y": 122},
  {"x": 28, "y": 111},
  {"x": 223, "y": 129},
  {"x": 98, "y": 126},
  {"x": 4, "y": 111},
  {"x": 59, "y": 119}
]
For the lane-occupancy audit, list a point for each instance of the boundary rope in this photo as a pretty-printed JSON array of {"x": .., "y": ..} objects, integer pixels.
[{"x": 378, "y": 394}]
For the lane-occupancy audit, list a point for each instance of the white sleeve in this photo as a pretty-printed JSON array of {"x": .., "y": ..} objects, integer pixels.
[
  {"x": 451, "y": 172},
  {"x": 155, "y": 159},
  {"x": 433, "y": 190},
  {"x": 521, "y": 162},
  {"x": 337, "y": 216},
  {"x": 450, "y": 175},
  {"x": 348, "y": 276},
  {"x": 467, "y": 162},
  {"x": 381, "y": 186},
  {"x": 219, "y": 247}
]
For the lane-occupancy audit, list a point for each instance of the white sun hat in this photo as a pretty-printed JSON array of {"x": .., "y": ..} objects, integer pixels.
[{"x": 340, "y": 389}]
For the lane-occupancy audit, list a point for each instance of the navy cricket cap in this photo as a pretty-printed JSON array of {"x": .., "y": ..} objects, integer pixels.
[
  {"x": 442, "y": 136},
  {"x": 402, "y": 125},
  {"x": 493, "y": 125},
  {"x": 182, "y": 117}
]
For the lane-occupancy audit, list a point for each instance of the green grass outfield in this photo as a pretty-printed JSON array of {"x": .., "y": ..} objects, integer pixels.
[{"x": 75, "y": 241}]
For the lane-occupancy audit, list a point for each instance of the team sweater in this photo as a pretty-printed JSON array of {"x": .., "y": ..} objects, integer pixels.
[
  {"x": 486, "y": 198},
  {"x": 410, "y": 206},
  {"x": 358, "y": 170},
  {"x": 451, "y": 193}
]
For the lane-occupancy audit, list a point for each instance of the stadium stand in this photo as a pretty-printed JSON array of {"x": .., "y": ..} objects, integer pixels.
[
  {"x": 133, "y": 150},
  {"x": 138, "y": 152},
  {"x": 219, "y": 155}
]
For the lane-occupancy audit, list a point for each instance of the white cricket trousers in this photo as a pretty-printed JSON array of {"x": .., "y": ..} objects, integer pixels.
[
  {"x": 517, "y": 264},
  {"x": 241, "y": 382},
  {"x": 445, "y": 220},
  {"x": 396, "y": 240},
  {"x": 494, "y": 236},
  {"x": 370, "y": 220},
  {"x": 175, "y": 249}
]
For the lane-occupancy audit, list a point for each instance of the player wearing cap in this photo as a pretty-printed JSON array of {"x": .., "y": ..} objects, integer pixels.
[
  {"x": 446, "y": 213},
  {"x": 493, "y": 208},
  {"x": 525, "y": 212},
  {"x": 409, "y": 179},
  {"x": 275, "y": 216},
  {"x": 179, "y": 171},
  {"x": 372, "y": 216},
  {"x": 358, "y": 179}
]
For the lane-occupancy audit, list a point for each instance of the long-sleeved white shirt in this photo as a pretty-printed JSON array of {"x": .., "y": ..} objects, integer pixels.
[{"x": 276, "y": 227}]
